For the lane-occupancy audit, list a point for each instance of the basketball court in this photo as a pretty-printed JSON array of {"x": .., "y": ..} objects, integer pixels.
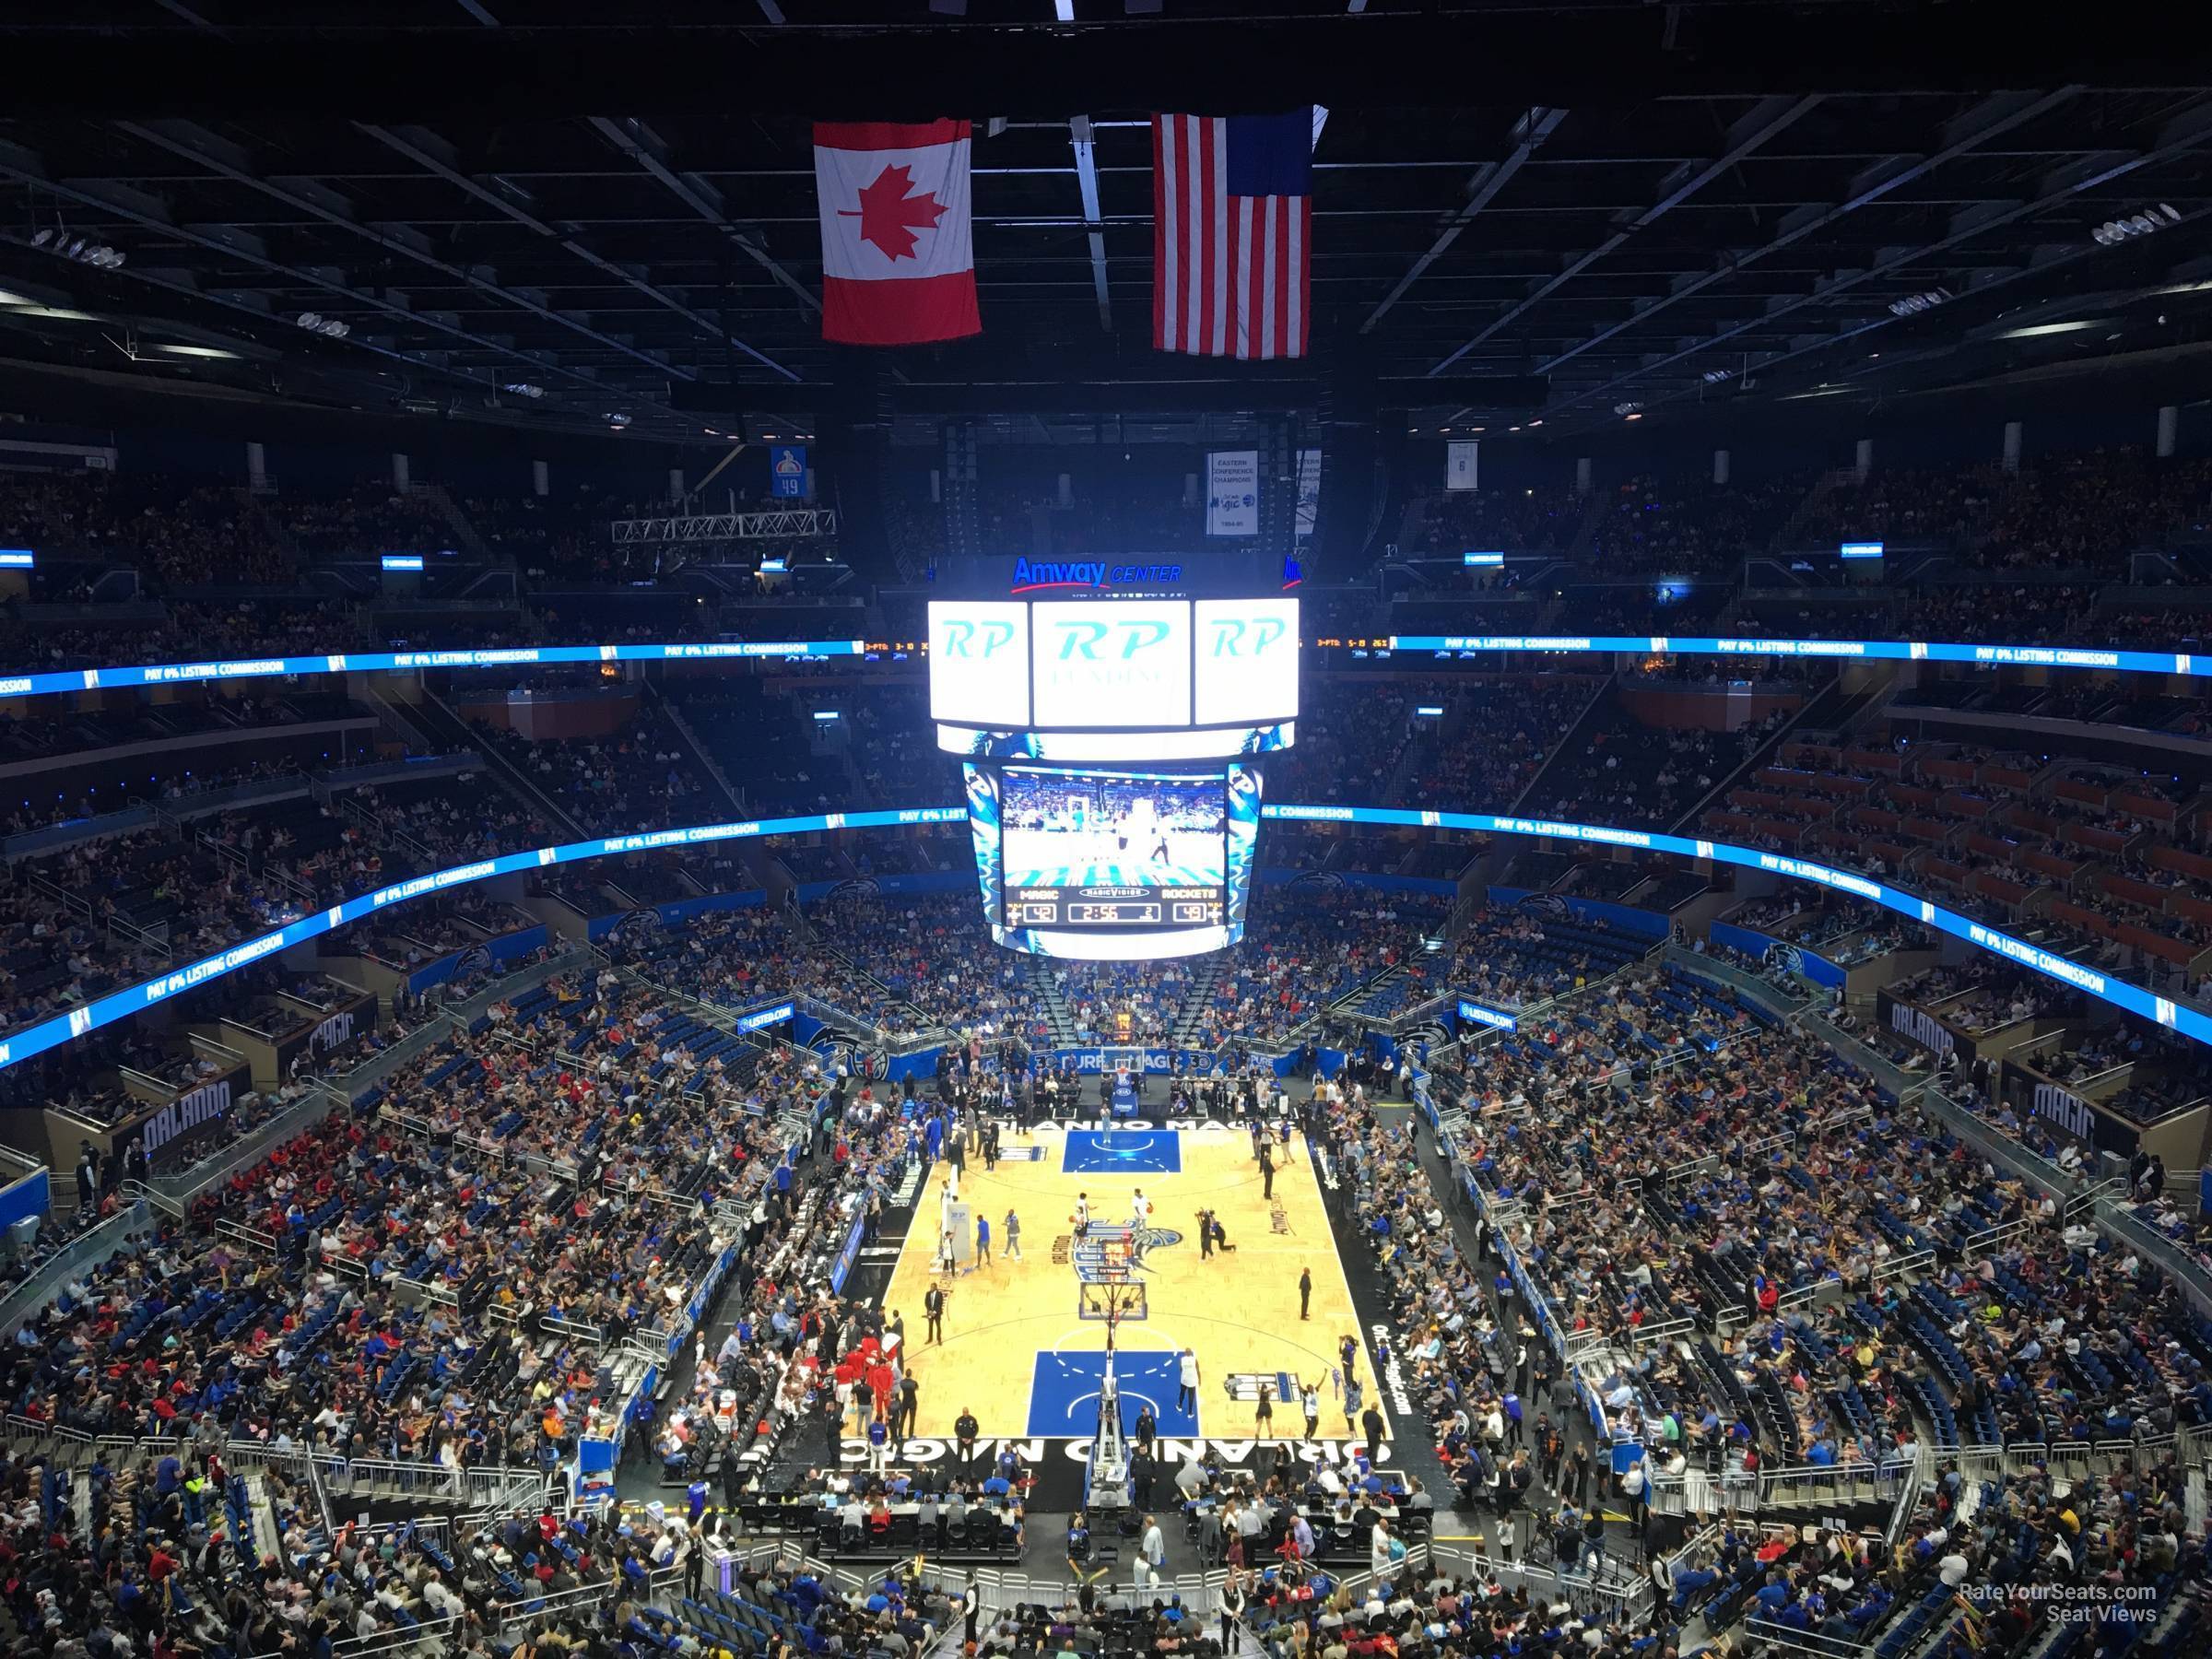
[{"x": 1025, "y": 1341}]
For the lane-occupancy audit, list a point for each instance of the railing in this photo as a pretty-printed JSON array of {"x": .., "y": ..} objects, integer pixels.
[
  {"x": 1628, "y": 1592},
  {"x": 1912, "y": 1265},
  {"x": 1788, "y": 1638},
  {"x": 437, "y": 1632},
  {"x": 1802, "y": 1487},
  {"x": 500, "y": 1488},
  {"x": 95, "y": 1244},
  {"x": 1993, "y": 1239}
]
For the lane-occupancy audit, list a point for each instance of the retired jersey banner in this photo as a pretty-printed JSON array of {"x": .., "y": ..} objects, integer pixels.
[{"x": 898, "y": 256}]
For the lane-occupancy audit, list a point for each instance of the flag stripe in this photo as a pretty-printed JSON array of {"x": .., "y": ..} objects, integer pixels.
[
  {"x": 1231, "y": 268},
  {"x": 1171, "y": 215},
  {"x": 911, "y": 312},
  {"x": 1217, "y": 329},
  {"x": 1194, "y": 274},
  {"x": 1272, "y": 281},
  {"x": 887, "y": 135},
  {"x": 1242, "y": 345},
  {"x": 1163, "y": 236}
]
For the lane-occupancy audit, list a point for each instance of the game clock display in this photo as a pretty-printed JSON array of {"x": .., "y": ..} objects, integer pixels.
[{"x": 1048, "y": 907}]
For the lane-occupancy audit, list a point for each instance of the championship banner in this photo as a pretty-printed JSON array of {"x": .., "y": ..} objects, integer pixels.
[{"x": 1232, "y": 492}]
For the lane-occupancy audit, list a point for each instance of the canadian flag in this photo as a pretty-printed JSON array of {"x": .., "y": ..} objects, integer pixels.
[{"x": 898, "y": 257}]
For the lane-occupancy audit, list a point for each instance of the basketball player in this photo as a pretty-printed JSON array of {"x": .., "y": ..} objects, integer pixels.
[
  {"x": 1082, "y": 1216},
  {"x": 1140, "y": 1210}
]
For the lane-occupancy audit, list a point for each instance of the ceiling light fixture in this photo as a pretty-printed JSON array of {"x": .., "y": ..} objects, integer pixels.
[
  {"x": 2035, "y": 330},
  {"x": 2115, "y": 231},
  {"x": 525, "y": 389},
  {"x": 329, "y": 327},
  {"x": 83, "y": 249},
  {"x": 1912, "y": 305}
]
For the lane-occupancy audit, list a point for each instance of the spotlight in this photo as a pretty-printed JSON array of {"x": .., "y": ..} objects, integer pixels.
[
  {"x": 1713, "y": 377},
  {"x": 2115, "y": 231},
  {"x": 618, "y": 421},
  {"x": 42, "y": 238},
  {"x": 525, "y": 389},
  {"x": 1626, "y": 409},
  {"x": 1912, "y": 305}
]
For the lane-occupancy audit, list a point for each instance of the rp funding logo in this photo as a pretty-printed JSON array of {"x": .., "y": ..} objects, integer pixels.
[
  {"x": 1108, "y": 642},
  {"x": 976, "y": 639},
  {"x": 1241, "y": 637}
]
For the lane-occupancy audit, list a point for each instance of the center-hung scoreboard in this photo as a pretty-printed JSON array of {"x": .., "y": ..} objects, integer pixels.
[{"x": 1109, "y": 716}]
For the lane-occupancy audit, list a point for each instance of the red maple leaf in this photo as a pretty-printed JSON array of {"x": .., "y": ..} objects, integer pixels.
[{"x": 888, "y": 207}]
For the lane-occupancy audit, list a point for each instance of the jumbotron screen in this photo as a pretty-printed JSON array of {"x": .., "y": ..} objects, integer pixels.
[
  {"x": 1109, "y": 680},
  {"x": 1126, "y": 864},
  {"x": 1087, "y": 849}
]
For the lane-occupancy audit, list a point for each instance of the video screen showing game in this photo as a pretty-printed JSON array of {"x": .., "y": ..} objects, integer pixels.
[{"x": 1084, "y": 849}]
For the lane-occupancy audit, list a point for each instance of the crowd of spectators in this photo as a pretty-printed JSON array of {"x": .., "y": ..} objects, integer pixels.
[
  {"x": 177, "y": 531},
  {"x": 2016, "y": 1329},
  {"x": 1644, "y": 777},
  {"x": 1666, "y": 529},
  {"x": 1504, "y": 519},
  {"x": 640, "y": 778},
  {"x": 365, "y": 521},
  {"x": 511, "y": 1188},
  {"x": 1497, "y": 738}
]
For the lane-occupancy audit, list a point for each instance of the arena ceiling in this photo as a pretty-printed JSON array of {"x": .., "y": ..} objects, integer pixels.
[{"x": 1568, "y": 214}]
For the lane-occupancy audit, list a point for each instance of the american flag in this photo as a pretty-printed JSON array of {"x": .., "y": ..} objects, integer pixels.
[{"x": 1231, "y": 233}]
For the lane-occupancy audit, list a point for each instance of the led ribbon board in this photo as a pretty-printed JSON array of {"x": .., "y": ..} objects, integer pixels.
[
  {"x": 1871, "y": 651},
  {"x": 133, "y": 999},
  {"x": 2118, "y": 992},
  {"x": 392, "y": 661},
  {"x": 52, "y": 683}
]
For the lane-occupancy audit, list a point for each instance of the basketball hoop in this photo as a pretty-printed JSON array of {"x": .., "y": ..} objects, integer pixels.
[{"x": 1109, "y": 1302}]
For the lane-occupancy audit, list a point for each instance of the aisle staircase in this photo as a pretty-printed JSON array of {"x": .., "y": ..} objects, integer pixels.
[
  {"x": 456, "y": 519},
  {"x": 451, "y": 732},
  {"x": 1198, "y": 997},
  {"x": 1058, "y": 1019},
  {"x": 700, "y": 757},
  {"x": 261, "y": 1512}
]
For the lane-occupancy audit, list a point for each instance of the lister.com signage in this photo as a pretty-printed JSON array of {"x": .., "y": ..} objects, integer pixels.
[{"x": 1232, "y": 492}]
